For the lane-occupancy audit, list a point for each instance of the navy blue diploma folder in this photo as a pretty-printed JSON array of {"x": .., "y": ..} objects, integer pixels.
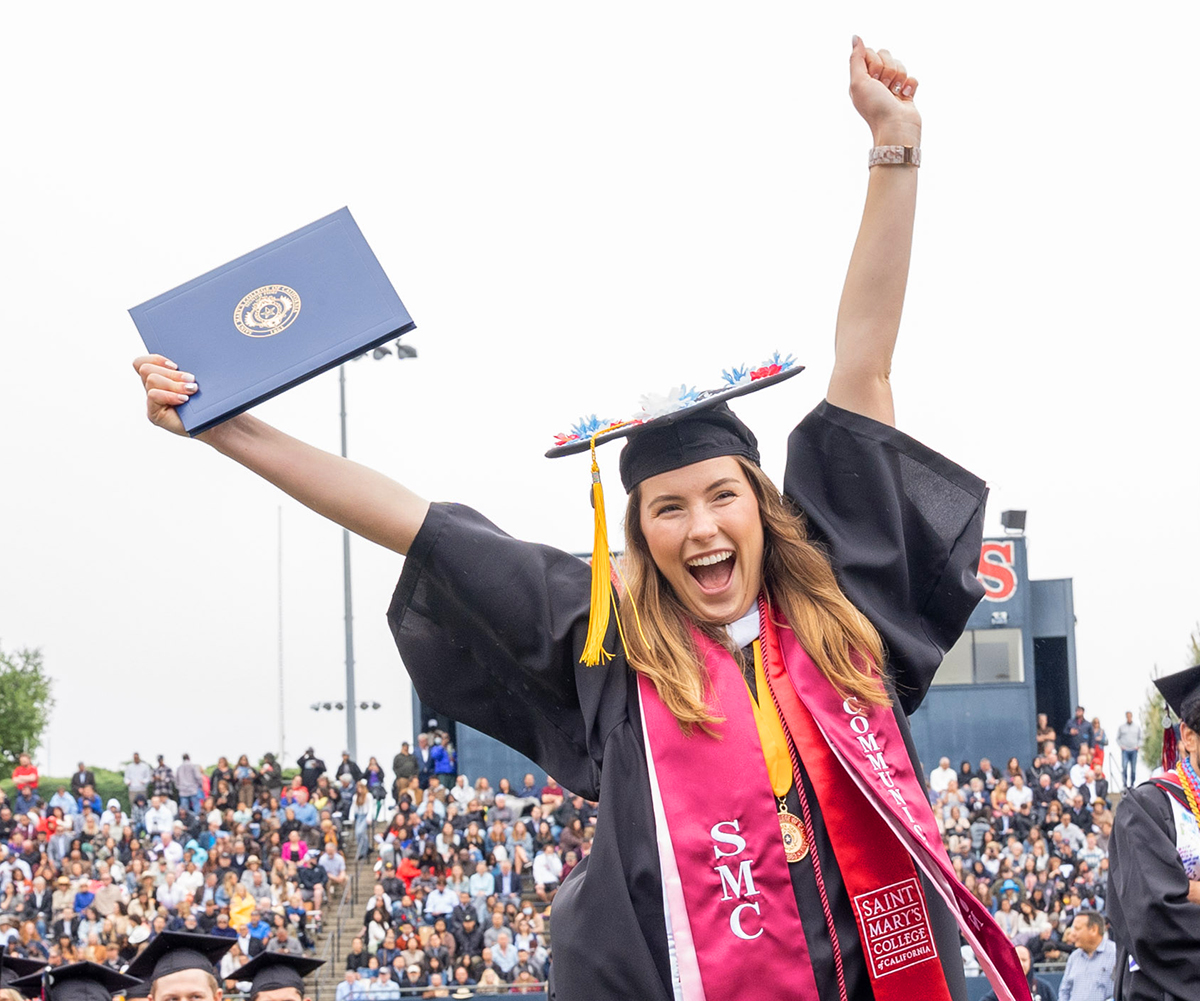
[{"x": 273, "y": 318}]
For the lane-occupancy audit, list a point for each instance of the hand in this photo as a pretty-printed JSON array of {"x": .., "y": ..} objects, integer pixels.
[
  {"x": 166, "y": 388},
  {"x": 1194, "y": 891},
  {"x": 882, "y": 92}
]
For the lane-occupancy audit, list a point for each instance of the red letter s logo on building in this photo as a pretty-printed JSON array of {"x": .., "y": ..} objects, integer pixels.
[{"x": 996, "y": 571}]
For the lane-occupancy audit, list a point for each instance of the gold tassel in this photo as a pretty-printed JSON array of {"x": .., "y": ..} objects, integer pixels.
[{"x": 593, "y": 647}]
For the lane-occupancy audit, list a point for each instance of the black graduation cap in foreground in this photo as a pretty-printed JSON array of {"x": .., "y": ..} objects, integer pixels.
[
  {"x": 75, "y": 982},
  {"x": 272, "y": 971},
  {"x": 13, "y": 968},
  {"x": 1178, "y": 688},
  {"x": 137, "y": 990},
  {"x": 173, "y": 951}
]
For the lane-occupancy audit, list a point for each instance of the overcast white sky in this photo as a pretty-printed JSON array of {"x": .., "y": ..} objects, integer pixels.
[{"x": 577, "y": 204}]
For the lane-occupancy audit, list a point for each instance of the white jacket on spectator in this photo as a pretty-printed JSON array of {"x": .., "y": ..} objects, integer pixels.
[
  {"x": 940, "y": 777},
  {"x": 547, "y": 868},
  {"x": 158, "y": 819}
]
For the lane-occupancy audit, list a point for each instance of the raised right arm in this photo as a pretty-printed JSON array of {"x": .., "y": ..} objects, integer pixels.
[{"x": 357, "y": 498}]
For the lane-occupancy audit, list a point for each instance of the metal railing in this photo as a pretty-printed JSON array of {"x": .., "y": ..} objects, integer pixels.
[{"x": 333, "y": 944}]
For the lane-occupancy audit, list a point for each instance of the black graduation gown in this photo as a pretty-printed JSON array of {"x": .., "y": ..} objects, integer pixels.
[
  {"x": 491, "y": 630},
  {"x": 1147, "y": 902}
]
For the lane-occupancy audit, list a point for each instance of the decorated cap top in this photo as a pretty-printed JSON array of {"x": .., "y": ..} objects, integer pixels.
[{"x": 682, "y": 426}]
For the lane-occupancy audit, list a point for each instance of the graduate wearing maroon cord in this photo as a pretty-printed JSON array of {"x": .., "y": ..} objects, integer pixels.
[{"x": 815, "y": 870}]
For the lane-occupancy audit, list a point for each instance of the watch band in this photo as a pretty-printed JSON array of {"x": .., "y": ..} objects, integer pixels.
[{"x": 889, "y": 155}]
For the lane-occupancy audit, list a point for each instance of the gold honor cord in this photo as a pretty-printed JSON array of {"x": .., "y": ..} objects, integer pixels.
[{"x": 779, "y": 762}]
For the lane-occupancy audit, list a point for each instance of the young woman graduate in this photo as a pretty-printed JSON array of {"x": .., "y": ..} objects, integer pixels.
[
  {"x": 1154, "y": 864},
  {"x": 763, "y": 827}
]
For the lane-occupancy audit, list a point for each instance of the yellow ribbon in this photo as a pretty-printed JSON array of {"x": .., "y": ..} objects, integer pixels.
[{"x": 770, "y": 730}]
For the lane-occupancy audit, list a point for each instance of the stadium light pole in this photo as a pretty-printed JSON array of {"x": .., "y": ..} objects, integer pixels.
[{"x": 403, "y": 351}]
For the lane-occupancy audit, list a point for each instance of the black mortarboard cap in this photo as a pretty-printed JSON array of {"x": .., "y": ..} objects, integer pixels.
[
  {"x": 173, "y": 951},
  {"x": 137, "y": 990},
  {"x": 75, "y": 982},
  {"x": 694, "y": 435},
  {"x": 14, "y": 968},
  {"x": 272, "y": 971},
  {"x": 1179, "y": 688}
]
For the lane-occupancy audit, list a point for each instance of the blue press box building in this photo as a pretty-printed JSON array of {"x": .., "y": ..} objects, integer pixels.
[{"x": 1015, "y": 660}]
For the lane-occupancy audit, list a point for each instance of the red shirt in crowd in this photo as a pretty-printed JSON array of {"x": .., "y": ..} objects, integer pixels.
[{"x": 25, "y": 775}]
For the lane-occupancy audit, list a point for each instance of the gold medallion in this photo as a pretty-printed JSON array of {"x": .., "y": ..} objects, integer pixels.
[
  {"x": 795, "y": 844},
  {"x": 267, "y": 311}
]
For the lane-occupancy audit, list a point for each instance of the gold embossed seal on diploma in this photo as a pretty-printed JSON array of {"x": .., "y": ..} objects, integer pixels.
[{"x": 267, "y": 311}]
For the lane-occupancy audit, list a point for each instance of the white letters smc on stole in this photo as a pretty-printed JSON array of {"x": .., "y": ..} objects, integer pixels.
[{"x": 734, "y": 887}]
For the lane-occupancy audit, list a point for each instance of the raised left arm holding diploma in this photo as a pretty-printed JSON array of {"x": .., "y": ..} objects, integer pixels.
[{"x": 873, "y": 296}]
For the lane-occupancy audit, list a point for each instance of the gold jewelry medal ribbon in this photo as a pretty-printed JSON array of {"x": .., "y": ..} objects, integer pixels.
[{"x": 779, "y": 762}]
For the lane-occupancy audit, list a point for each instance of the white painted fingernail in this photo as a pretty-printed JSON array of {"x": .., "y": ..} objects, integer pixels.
[
  {"x": 170, "y": 364},
  {"x": 896, "y": 89},
  {"x": 908, "y": 91},
  {"x": 190, "y": 387}
]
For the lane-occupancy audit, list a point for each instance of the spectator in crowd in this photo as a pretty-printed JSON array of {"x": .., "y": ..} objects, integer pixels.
[
  {"x": 334, "y": 864},
  {"x": 356, "y": 958},
  {"x": 504, "y": 955},
  {"x": 25, "y": 774},
  {"x": 311, "y": 768},
  {"x": 1089, "y": 972},
  {"x": 137, "y": 776},
  {"x": 189, "y": 781},
  {"x": 362, "y": 811},
  {"x": 162, "y": 780},
  {"x": 63, "y": 800},
  {"x": 83, "y": 776},
  {"x": 941, "y": 777},
  {"x": 425, "y": 761},
  {"x": 547, "y": 871},
  {"x": 1077, "y": 731},
  {"x": 283, "y": 941},
  {"x": 348, "y": 767},
  {"x": 348, "y": 989},
  {"x": 443, "y": 759},
  {"x": 1098, "y": 743},
  {"x": 1129, "y": 740},
  {"x": 404, "y": 768},
  {"x": 310, "y": 880},
  {"x": 159, "y": 818}
]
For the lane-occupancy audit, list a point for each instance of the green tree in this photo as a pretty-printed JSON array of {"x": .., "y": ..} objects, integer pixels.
[
  {"x": 1155, "y": 706},
  {"x": 25, "y": 704}
]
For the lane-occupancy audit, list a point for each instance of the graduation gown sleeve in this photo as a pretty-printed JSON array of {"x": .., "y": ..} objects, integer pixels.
[
  {"x": 902, "y": 526},
  {"x": 491, "y": 629},
  {"x": 1147, "y": 901}
]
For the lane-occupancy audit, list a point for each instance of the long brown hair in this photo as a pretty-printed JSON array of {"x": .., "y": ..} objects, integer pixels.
[{"x": 798, "y": 580}]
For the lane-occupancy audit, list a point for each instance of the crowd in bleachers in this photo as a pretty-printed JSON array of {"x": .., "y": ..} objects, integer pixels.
[
  {"x": 235, "y": 851},
  {"x": 465, "y": 873},
  {"x": 466, "y": 876},
  {"x": 1030, "y": 840}
]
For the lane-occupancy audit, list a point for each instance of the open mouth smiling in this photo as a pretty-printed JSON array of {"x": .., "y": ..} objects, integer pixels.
[{"x": 712, "y": 571}]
